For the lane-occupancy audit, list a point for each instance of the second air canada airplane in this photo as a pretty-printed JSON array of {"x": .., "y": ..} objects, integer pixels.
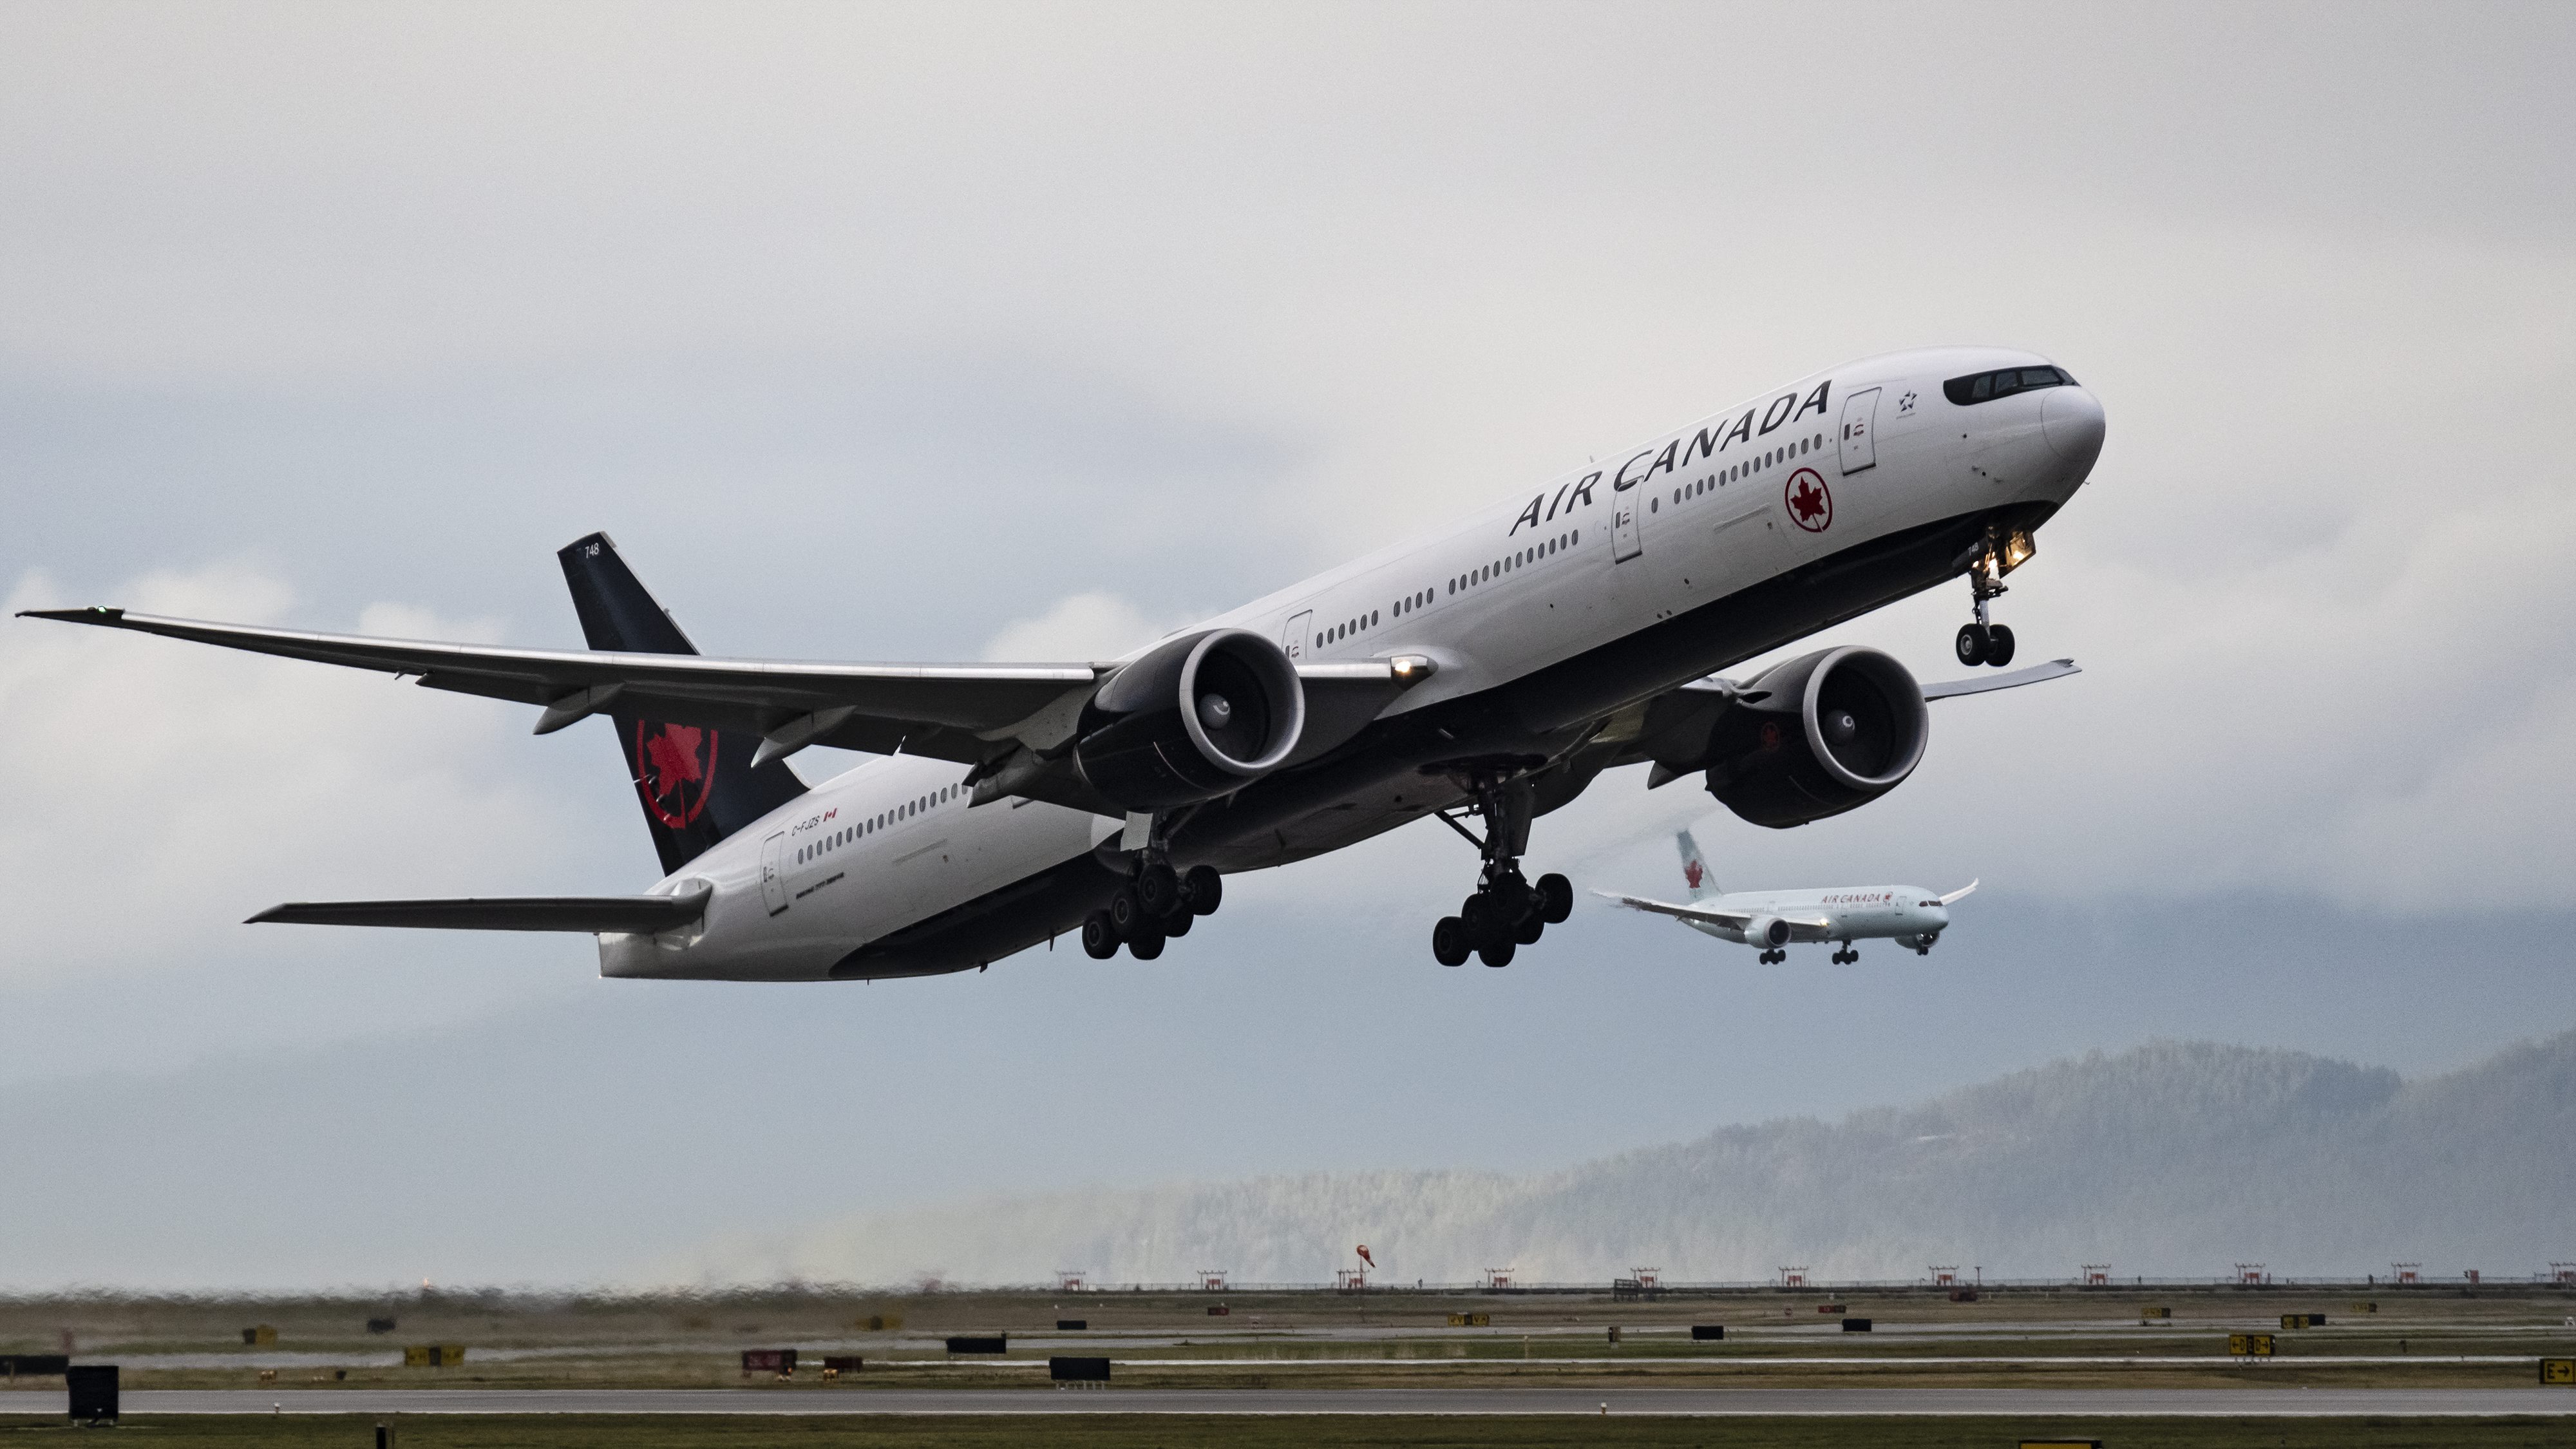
[{"x": 1488, "y": 672}]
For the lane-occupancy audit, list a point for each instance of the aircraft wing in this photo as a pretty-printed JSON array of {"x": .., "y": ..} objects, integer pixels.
[
  {"x": 2053, "y": 669},
  {"x": 971, "y": 713},
  {"x": 637, "y": 915},
  {"x": 1684, "y": 913}
]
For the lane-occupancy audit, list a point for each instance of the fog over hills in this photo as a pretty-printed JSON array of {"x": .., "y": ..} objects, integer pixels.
[{"x": 2176, "y": 1158}]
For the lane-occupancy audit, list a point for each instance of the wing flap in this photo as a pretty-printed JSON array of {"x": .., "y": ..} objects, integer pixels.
[{"x": 629, "y": 915}]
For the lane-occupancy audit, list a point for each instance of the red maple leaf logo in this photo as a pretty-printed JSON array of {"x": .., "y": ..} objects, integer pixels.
[
  {"x": 674, "y": 764},
  {"x": 1811, "y": 507},
  {"x": 1690, "y": 872}
]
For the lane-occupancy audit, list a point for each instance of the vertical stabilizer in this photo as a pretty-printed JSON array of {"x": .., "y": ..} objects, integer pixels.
[
  {"x": 1694, "y": 868},
  {"x": 697, "y": 785}
]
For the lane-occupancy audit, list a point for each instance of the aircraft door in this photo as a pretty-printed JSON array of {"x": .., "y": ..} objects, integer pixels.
[
  {"x": 1625, "y": 541},
  {"x": 1292, "y": 640},
  {"x": 1860, "y": 418},
  {"x": 773, "y": 872}
]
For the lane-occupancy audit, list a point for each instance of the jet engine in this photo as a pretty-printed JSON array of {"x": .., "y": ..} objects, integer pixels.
[
  {"x": 1768, "y": 932},
  {"x": 1192, "y": 719},
  {"x": 1821, "y": 734}
]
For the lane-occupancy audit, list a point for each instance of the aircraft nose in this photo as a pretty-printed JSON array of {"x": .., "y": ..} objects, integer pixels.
[{"x": 2074, "y": 424}]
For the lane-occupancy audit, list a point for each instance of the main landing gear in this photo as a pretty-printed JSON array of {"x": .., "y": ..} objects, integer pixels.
[
  {"x": 1985, "y": 642},
  {"x": 1156, "y": 904},
  {"x": 1773, "y": 958},
  {"x": 1508, "y": 910},
  {"x": 1846, "y": 955}
]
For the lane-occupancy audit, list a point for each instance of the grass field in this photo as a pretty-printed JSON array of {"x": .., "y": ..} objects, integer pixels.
[{"x": 1179, "y": 1432}]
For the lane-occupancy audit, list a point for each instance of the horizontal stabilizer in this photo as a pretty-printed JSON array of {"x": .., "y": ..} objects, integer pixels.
[{"x": 625, "y": 915}]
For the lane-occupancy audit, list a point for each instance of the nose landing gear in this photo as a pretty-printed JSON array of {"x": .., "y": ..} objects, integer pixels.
[
  {"x": 1846, "y": 955},
  {"x": 1508, "y": 910},
  {"x": 1986, "y": 642}
]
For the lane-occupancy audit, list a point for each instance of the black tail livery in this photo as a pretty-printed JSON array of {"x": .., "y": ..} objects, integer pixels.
[{"x": 697, "y": 786}]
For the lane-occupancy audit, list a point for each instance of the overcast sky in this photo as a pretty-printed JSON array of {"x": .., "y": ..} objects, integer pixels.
[{"x": 968, "y": 331}]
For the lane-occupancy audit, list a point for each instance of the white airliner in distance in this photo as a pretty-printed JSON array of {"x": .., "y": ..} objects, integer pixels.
[
  {"x": 1490, "y": 669},
  {"x": 1772, "y": 920}
]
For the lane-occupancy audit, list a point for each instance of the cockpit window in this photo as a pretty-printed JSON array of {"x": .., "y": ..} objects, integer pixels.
[{"x": 1987, "y": 386}]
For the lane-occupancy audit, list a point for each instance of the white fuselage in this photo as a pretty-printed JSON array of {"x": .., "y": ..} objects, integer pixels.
[
  {"x": 1904, "y": 913},
  {"x": 1803, "y": 472}
]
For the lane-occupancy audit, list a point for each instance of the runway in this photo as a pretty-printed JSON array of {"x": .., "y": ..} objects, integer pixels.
[{"x": 1805, "y": 1403}]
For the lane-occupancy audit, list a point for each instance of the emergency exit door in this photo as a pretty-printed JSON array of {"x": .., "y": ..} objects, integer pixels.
[
  {"x": 773, "y": 872},
  {"x": 1860, "y": 417},
  {"x": 1626, "y": 542},
  {"x": 1292, "y": 640}
]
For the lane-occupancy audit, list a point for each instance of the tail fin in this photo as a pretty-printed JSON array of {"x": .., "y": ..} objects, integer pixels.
[
  {"x": 696, "y": 788},
  {"x": 1694, "y": 869}
]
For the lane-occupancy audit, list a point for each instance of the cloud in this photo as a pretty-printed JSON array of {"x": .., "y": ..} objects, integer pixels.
[{"x": 1081, "y": 626}]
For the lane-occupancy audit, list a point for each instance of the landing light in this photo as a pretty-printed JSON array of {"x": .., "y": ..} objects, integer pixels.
[
  {"x": 2017, "y": 548},
  {"x": 1411, "y": 669}
]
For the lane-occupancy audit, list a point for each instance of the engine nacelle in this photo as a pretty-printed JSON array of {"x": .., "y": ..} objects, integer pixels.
[
  {"x": 1768, "y": 932},
  {"x": 1818, "y": 735},
  {"x": 1192, "y": 719}
]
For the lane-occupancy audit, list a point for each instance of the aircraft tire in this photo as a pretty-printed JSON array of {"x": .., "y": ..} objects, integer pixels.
[
  {"x": 1178, "y": 922},
  {"x": 1999, "y": 645},
  {"x": 1476, "y": 913},
  {"x": 1145, "y": 946},
  {"x": 1530, "y": 929},
  {"x": 1157, "y": 889},
  {"x": 1555, "y": 898},
  {"x": 1202, "y": 889},
  {"x": 1496, "y": 953},
  {"x": 1126, "y": 916},
  {"x": 1972, "y": 645},
  {"x": 1449, "y": 942},
  {"x": 1099, "y": 938}
]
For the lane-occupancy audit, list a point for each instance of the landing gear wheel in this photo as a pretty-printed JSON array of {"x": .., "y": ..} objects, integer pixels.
[
  {"x": 1496, "y": 953},
  {"x": 1477, "y": 913},
  {"x": 1530, "y": 928},
  {"x": 1157, "y": 889},
  {"x": 1449, "y": 942},
  {"x": 1555, "y": 898},
  {"x": 1099, "y": 938},
  {"x": 1147, "y": 946},
  {"x": 1201, "y": 889},
  {"x": 1178, "y": 922},
  {"x": 1972, "y": 644},
  {"x": 1999, "y": 645},
  {"x": 1126, "y": 916}
]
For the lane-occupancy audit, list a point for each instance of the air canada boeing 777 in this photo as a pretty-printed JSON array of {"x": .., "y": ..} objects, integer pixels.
[{"x": 1485, "y": 673}]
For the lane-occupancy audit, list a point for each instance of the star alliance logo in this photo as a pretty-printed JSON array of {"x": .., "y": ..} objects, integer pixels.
[{"x": 1905, "y": 404}]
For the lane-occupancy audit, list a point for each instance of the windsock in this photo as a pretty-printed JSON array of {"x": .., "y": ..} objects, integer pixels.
[{"x": 1364, "y": 1256}]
